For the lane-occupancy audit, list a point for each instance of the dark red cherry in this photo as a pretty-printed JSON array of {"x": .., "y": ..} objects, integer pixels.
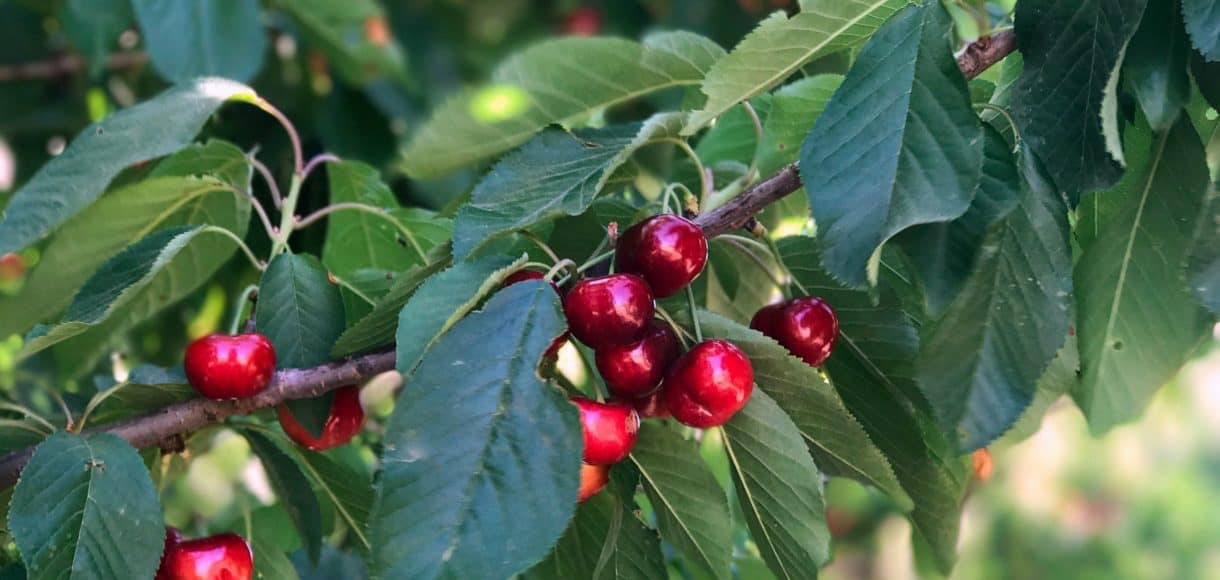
[
  {"x": 219, "y": 366},
  {"x": 667, "y": 250},
  {"x": 593, "y": 478},
  {"x": 809, "y": 329},
  {"x": 766, "y": 320},
  {"x": 220, "y": 557},
  {"x": 708, "y": 384},
  {"x": 609, "y": 430},
  {"x": 584, "y": 21},
  {"x": 634, "y": 370},
  {"x": 609, "y": 310},
  {"x": 652, "y": 406},
  {"x": 346, "y": 418},
  {"x": 172, "y": 538}
]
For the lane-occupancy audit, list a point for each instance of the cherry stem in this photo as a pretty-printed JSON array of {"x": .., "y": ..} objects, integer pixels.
[
  {"x": 240, "y": 315},
  {"x": 758, "y": 139},
  {"x": 541, "y": 245},
  {"x": 268, "y": 179},
  {"x": 258, "y": 208},
  {"x": 240, "y": 244},
  {"x": 63, "y": 406},
  {"x": 792, "y": 280},
  {"x": 694, "y": 313},
  {"x": 705, "y": 180},
  {"x": 560, "y": 266},
  {"x": 683, "y": 336},
  {"x": 377, "y": 211},
  {"x": 298, "y": 157},
  {"x": 318, "y": 160}
]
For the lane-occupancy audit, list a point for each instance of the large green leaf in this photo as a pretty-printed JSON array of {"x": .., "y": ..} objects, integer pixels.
[
  {"x": 1204, "y": 270},
  {"x": 779, "y": 46},
  {"x": 269, "y": 560},
  {"x": 832, "y": 434},
  {"x": 944, "y": 253},
  {"x": 1058, "y": 380},
  {"x": 138, "y": 282},
  {"x": 1203, "y": 23},
  {"x": 71, "y": 181},
  {"x": 86, "y": 508},
  {"x": 898, "y": 144},
  {"x": 94, "y": 27},
  {"x": 185, "y": 40},
  {"x": 557, "y": 81},
  {"x": 354, "y": 36},
  {"x": 174, "y": 195},
  {"x": 779, "y": 488},
  {"x": 556, "y": 173},
  {"x": 794, "y": 109},
  {"x": 1136, "y": 320},
  {"x": 979, "y": 365},
  {"x": 691, "y": 509},
  {"x": 485, "y": 488},
  {"x": 1065, "y": 100},
  {"x": 443, "y": 300},
  {"x": 292, "y": 489},
  {"x": 1155, "y": 64}
]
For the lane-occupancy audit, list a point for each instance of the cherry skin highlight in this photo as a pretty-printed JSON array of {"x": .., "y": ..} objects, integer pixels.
[
  {"x": 345, "y": 420},
  {"x": 610, "y": 310},
  {"x": 634, "y": 370},
  {"x": 667, "y": 250},
  {"x": 593, "y": 478},
  {"x": 220, "y": 557},
  {"x": 219, "y": 366},
  {"x": 708, "y": 384},
  {"x": 809, "y": 329},
  {"x": 610, "y": 430}
]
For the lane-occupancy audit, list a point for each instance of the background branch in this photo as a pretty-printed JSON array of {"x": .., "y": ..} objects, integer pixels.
[{"x": 66, "y": 65}]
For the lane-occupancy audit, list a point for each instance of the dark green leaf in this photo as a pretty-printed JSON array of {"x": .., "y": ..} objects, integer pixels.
[
  {"x": 1136, "y": 320},
  {"x": 354, "y": 36},
  {"x": 299, "y": 310},
  {"x": 733, "y": 137},
  {"x": 443, "y": 300},
  {"x": 94, "y": 27},
  {"x": 86, "y": 508},
  {"x": 898, "y": 144},
  {"x": 1058, "y": 380},
  {"x": 794, "y": 109},
  {"x": 292, "y": 489},
  {"x": 1065, "y": 100},
  {"x": 691, "y": 509},
  {"x": 484, "y": 488},
  {"x": 1203, "y": 23},
  {"x": 578, "y": 236},
  {"x": 979, "y": 365},
  {"x": 779, "y": 488},
  {"x": 71, "y": 181},
  {"x": 333, "y": 565},
  {"x": 1155, "y": 64},
  {"x": 185, "y": 40}
]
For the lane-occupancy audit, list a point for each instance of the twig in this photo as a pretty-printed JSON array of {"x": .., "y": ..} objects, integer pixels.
[{"x": 67, "y": 65}]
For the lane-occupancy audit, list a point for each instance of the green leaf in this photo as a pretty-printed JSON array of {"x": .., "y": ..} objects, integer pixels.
[
  {"x": 1204, "y": 265},
  {"x": 292, "y": 489},
  {"x": 71, "y": 181},
  {"x": 980, "y": 364},
  {"x": 1136, "y": 320},
  {"x": 779, "y": 488},
  {"x": 485, "y": 488},
  {"x": 146, "y": 389},
  {"x": 944, "y": 253},
  {"x": 1203, "y": 23},
  {"x": 691, "y": 509},
  {"x": 1065, "y": 100},
  {"x": 137, "y": 283},
  {"x": 898, "y": 144},
  {"x": 443, "y": 300},
  {"x": 1155, "y": 64},
  {"x": 579, "y": 236},
  {"x": 1058, "y": 380},
  {"x": 80, "y": 502},
  {"x": 556, "y": 173},
  {"x": 557, "y": 81},
  {"x": 780, "y": 46},
  {"x": 794, "y": 109},
  {"x": 733, "y": 137},
  {"x": 299, "y": 310},
  {"x": 350, "y": 34},
  {"x": 174, "y": 195},
  {"x": 377, "y": 328},
  {"x": 349, "y": 490},
  {"x": 832, "y": 434},
  {"x": 94, "y": 27},
  {"x": 270, "y": 562},
  {"x": 185, "y": 40}
]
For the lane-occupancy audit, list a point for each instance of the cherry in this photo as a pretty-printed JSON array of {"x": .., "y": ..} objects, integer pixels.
[
  {"x": 767, "y": 319},
  {"x": 593, "y": 478},
  {"x": 652, "y": 406},
  {"x": 584, "y": 21},
  {"x": 220, "y": 557},
  {"x": 635, "y": 369},
  {"x": 708, "y": 384},
  {"x": 609, "y": 310},
  {"x": 667, "y": 250},
  {"x": 12, "y": 267},
  {"x": 809, "y": 328},
  {"x": 523, "y": 275},
  {"x": 230, "y": 367},
  {"x": 609, "y": 430},
  {"x": 346, "y": 418},
  {"x": 981, "y": 464},
  {"x": 172, "y": 538}
]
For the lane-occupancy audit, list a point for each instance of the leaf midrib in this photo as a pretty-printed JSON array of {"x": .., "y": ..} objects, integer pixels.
[
  {"x": 670, "y": 508},
  {"x": 728, "y": 447}
]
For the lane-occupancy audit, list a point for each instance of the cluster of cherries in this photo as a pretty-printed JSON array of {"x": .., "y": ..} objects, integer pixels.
[{"x": 223, "y": 556}]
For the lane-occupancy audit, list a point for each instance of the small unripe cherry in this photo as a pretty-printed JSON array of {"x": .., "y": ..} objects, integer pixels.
[
  {"x": 344, "y": 422},
  {"x": 220, "y": 366},
  {"x": 809, "y": 328},
  {"x": 593, "y": 478},
  {"x": 609, "y": 310},
  {"x": 609, "y": 429},
  {"x": 634, "y": 370},
  {"x": 223, "y": 556},
  {"x": 708, "y": 384},
  {"x": 667, "y": 250}
]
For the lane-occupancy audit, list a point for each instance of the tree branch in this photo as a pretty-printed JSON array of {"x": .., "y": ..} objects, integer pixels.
[
  {"x": 67, "y": 65},
  {"x": 150, "y": 430}
]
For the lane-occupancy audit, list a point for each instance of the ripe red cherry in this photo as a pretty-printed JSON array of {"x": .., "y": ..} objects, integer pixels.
[
  {"x": 230, "y": 367},
  {"x": 767, "y": 319},
  {"x": 708, "y": 384},
  {"x": 584, "y": 21},
  {"x": 609, "y": 310},
  {"x": 635, "y": 369},
  {"x": 172, "y": 538},
  {"x": 668, "y": 251},
  {"x": 609, "y": 429},
  {"x": 523, "y": 275},
  {"x": 220, "y": 557},
  {"x": 346, "y": 418},
  {"x": 652, "y": 406},
  {"x": 809, "y": 328},
  {"x": 593, "y": 478}
]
